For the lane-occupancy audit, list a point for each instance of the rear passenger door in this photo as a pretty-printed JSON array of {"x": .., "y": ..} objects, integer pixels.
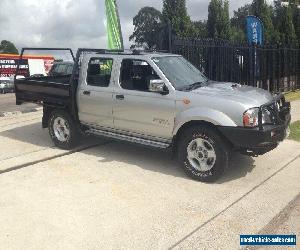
[{"x": 95, "y": 93}]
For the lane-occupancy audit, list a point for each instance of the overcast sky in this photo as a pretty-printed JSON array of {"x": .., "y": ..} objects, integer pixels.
[{"x": 76, "y": 23}]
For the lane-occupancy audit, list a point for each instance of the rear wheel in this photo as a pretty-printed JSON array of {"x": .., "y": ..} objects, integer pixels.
[
  {"x": 203, "y": 153},
  {"x": 62, "y": 130}
]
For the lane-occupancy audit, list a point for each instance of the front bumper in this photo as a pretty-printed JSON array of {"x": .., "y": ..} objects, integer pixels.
[{"x": 263, "y": 138}]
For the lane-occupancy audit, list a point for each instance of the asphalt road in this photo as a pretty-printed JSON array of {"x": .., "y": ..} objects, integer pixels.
[{"x": 8, "y": 104}]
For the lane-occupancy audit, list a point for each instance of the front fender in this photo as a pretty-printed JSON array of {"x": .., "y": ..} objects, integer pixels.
[{"x": 202, "y": 114}]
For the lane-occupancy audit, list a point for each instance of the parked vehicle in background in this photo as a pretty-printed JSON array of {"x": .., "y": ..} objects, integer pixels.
[
  {"x": 61, "y": 69},
  {"x": 6, "y": 85},
  {"x": 159, "y": 100},
  {"x": 37, "y": 75}
]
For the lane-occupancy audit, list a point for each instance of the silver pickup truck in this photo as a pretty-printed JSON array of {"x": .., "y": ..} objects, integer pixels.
[{"x": 159, "y": 100}]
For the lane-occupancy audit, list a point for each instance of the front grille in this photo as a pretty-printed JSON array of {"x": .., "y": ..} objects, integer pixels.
[
  {"x": 279, "y": 109},
  {"x": 272, "y": 109}
]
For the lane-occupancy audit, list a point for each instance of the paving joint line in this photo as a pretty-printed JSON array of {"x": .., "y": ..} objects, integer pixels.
[
  {"x": 28, "y": 153},
  {"x": 50, "y": 158},
  {"x": 37, "y": 118},
  {"x": 233, "y": 203},
  {"x": 282, "y": 216}
]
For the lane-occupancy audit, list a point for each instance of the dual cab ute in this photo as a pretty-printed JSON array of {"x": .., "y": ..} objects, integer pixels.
[{"x": 159, "y": 100}]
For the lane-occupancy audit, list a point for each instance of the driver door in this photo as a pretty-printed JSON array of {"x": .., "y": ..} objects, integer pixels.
[{"x": 136, "y": 110}]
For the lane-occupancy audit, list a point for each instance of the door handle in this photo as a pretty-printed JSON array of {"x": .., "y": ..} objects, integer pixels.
[
  {"x": 87, "y": 92},
  {"x": 120, "y": 97}
]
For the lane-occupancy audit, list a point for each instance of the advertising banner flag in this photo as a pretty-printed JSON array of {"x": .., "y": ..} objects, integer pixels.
[
  {"x": 115, "y": 39},
  {"x": 255, "y": 30}
]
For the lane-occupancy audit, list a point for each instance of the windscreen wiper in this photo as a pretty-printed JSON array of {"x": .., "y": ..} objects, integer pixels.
[{"x": 193, "y": 86}]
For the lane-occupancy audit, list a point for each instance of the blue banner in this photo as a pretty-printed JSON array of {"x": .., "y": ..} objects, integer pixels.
[{"x": 255, "y": 30}]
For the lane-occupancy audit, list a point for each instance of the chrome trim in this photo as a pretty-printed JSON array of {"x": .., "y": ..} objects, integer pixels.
[
  {"x": 127, "y": 133},
  {"x": 123, "y": 137},
  {"x": 44, "y": 83}
]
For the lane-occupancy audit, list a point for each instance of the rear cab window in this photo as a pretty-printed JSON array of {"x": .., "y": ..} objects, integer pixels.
[
  {"x": 61, "y": 69},
  {"x": 99, "y": 72}
]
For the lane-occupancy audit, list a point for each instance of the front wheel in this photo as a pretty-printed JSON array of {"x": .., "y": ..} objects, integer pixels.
[
  {"x": 63, "y": 130},
  {"x": 203, "y": 153}
]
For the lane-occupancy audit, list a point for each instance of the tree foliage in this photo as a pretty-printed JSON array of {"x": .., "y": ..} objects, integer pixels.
[
  {"x": 263, "y": 11},
  {"x": 238, "y": 22},
  {"x": 147, "y": 24},
  {"x": 281, "y": 24},
  {"x": 285, "y": 26},
  {"x": 296, "y": 20},
  {"x": 218, "y": 23},
  {"x": 175, "y": 11},
  {"x": 200, "y": 30},
  {"x": 8, "y": 47}
]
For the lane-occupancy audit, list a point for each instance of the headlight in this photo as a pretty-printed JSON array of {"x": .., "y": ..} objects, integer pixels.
[{"x": 250, "y": 118}]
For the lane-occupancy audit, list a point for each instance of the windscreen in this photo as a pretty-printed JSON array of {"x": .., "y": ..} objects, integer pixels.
[{"x": 179, "y": 71}]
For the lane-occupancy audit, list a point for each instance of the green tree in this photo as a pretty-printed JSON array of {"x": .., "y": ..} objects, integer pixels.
[
  {"x": 225, "y": 31},
  {"x": 263, "y": 11},
  {"x": 238, "y": 34},
  {"x": 175, "y": 11},
  {"x": 296, "y": 19},
  {"x": 297, "y": 25},
  {"x": 238, "y": 22},
  {"x": 200, "y": 29},
  {"x": 147, "y": 24},
  {"x": 218, "y": 23},
  {"x": 284, "y": 23},
  {"x": 8, "y": 47},
  {"x": 214, "y": 13},
  {"x": 239, "y": 16}
]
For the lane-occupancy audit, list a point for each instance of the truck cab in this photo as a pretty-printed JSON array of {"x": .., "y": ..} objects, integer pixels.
[{"x": 159, "y": 100}]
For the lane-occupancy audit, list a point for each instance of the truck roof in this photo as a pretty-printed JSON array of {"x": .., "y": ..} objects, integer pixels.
[{"x": 132, "y": 54}]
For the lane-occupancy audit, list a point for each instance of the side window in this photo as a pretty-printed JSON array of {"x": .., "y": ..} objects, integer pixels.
[
  {"x": 54, "y": 70},
  {"x": 136, "y": 75},
  {"x": 61, "y": 69},
  {"x": 69, "y": 70},
  {"x": 99, "y": 72}
]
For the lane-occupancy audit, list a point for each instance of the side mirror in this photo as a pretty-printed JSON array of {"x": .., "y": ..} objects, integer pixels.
[{"x": 158, "y": 86}]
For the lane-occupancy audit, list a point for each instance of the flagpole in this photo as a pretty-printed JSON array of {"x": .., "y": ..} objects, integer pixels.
[
  {"x": 120, "y": 27},
  {"x": 114, "y": 31}
]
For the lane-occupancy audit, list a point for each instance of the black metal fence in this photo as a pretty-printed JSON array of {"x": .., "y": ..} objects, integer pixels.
[{"x": 270, "y": 67}]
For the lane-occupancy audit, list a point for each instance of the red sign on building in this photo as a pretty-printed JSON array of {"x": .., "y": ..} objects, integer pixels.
[{"x": 9, "y": 63}]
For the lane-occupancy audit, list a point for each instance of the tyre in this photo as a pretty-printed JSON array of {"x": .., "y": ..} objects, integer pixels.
[
  {"x": 63, "y": 130},
  {"x": 203, "y": 153}
]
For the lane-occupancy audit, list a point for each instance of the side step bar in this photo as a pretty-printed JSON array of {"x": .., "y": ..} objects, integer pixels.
[{"x": 133, "y": 139}]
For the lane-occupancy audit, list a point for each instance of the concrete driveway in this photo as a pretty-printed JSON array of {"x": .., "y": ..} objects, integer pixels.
[
  {"x": 8, "y": 105},
  {"x": 112, "y": 195}
]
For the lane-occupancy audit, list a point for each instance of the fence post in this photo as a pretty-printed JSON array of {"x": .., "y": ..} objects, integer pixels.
[
  {"x": 276, "y": 68},
  {"x": 251, "y": 64},
  {"x": 170, "y": 36}
]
